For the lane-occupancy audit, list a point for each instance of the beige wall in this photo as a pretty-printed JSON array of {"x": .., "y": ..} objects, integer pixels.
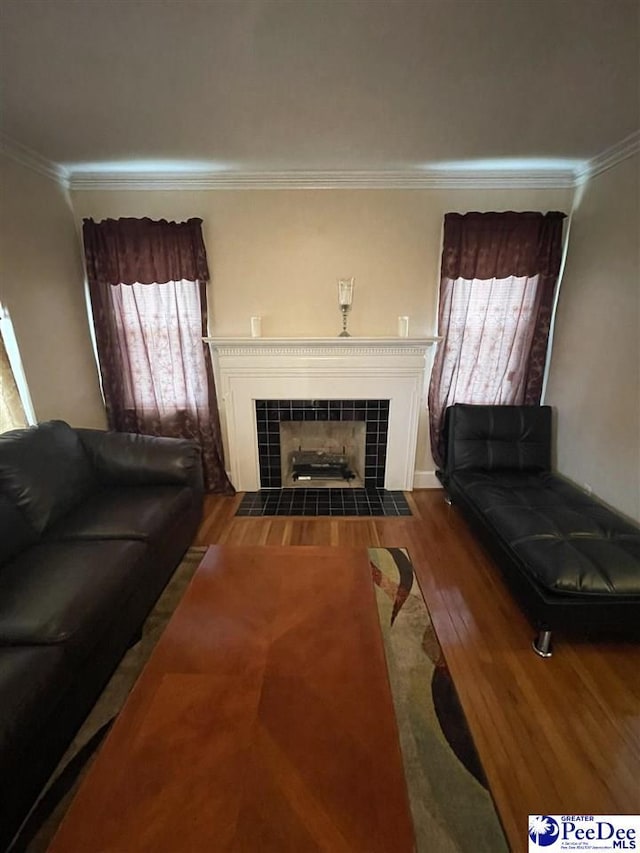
[
  {"x": 279, "y": 253},
  {"x": 42, "y": 287},
  {"x": 594, "y": 379}
]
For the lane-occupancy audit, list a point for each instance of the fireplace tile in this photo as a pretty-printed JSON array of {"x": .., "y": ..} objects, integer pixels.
[
  {"x": 270, "y": 413},
  {"x": 324, "y": 502}
]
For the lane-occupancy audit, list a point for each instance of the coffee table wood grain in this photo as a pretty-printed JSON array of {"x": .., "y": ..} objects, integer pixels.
[{"x": 263, "y": 720}]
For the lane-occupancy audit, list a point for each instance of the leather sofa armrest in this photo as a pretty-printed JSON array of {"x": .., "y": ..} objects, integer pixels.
[{"x": 121, "y": 458}]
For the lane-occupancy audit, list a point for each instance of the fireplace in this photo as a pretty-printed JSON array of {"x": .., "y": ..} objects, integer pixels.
[
  {"x": 359, "y": 428},
  {"x": 263, "y": 382},
  {"x": 328, "y": 452}
]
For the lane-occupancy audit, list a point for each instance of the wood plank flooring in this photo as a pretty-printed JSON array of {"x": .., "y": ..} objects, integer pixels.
[{"x": 560, "y": 736}]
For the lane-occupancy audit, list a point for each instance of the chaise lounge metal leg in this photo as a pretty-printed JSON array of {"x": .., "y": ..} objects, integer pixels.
[
  {"x": 447, "y": 499},
  {"x": 542, "y": 643}
]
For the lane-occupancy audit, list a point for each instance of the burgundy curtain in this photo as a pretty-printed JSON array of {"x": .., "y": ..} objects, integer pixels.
[
  {"x": 498, "y": 278},
  {"x": 147, "y": 283}
]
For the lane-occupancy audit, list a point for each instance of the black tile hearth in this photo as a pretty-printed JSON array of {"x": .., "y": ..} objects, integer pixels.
[{"x": 319, "y": 502}]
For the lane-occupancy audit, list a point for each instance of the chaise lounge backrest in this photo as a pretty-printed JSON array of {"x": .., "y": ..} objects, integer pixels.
[{"x": 498, "y": 438}]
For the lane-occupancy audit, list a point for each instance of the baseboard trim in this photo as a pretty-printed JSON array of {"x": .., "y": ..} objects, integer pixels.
[{"x": 426, "y": 480}]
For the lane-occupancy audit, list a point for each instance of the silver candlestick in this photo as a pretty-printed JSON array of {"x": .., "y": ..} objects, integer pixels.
[{"x": 345, "y": 300}]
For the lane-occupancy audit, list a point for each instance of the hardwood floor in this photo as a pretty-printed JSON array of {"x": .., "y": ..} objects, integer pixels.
[{"x": 558, "y": 736}]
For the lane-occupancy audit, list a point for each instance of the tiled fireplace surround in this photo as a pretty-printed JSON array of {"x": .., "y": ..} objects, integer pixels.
[
  {"x": 263, "y": 380},
  {"x": 271, "y": 413}
]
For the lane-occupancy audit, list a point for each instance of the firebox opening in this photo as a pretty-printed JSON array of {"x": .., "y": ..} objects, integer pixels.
[{"x": 317, "y": 454}]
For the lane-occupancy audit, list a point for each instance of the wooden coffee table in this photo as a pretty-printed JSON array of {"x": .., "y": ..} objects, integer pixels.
[{"x": 263, "y": 720}]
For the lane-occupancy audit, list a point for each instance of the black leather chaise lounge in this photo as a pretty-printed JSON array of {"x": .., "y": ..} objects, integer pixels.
[{"x": 571, "y": 561}]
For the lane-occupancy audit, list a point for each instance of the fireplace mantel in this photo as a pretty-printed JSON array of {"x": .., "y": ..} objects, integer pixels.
[
  {"x": 231, "y": 346},
  {"x": 251, "y": 369}
]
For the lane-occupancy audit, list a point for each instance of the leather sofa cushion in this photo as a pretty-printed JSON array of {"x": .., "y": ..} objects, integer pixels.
[
  {"x": 32, "y": 679},
  {"x": 515, "y": 488},
  {"x": 498, "y": 438},
  {"x": 584, "y": 565},
  {"x": 15, "y": 533},
  {"x": 570, "y": 542},
  {"x": 44, "y": 471},
  {"x": 67, "y": 592},
  {"x": 130, "y": 512}
]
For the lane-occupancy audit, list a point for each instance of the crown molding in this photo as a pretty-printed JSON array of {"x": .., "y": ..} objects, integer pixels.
[
  {"x": 310, "y": 180},
  {"x": 409, "y": 179},
  {"x": 622, "y": 150},
  {"x": 33, "y": 161}
]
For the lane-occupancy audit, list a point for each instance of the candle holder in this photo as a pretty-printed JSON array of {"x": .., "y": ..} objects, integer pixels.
[{"x": 345, "y": 300}]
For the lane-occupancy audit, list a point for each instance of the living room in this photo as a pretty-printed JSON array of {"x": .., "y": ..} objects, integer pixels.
[{"x": 321, "y": 141}]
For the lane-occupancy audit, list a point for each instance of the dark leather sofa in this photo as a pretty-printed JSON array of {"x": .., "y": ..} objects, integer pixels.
[
  {"x": 92, "y": 525},
  {"x": 571, "y": 561}
]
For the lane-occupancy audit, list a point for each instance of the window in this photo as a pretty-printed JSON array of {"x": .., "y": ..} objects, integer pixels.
[
  {"x": 15, "y": 403},
  {"x": 148, "y": 288},
  {"x": 159, "y": 328},
  {"x": 491, "y": 324},
  {"x": 497, "y": 284}
]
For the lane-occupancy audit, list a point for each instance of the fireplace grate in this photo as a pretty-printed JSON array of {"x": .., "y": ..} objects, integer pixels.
[{"x": 320, "y": 465}]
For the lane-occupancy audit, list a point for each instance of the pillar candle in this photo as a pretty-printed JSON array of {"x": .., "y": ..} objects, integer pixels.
[{"x": 403, "y": 327}]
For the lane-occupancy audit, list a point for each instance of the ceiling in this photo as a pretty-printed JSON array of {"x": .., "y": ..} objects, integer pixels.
[{"x": 317, "y": 84}]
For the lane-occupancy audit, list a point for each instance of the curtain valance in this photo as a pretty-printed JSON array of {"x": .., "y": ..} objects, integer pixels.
[
  {"x": 501, "y": 245},
  {"x": 127, "y": 250}
]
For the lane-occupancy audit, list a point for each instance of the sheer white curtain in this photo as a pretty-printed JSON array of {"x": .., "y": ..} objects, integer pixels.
[
  {"x": 488, "y": 339},
  {"x": 159, "y": 336}
]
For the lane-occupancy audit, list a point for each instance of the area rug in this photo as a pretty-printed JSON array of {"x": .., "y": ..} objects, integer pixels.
[{"x": 451, "y": 807}]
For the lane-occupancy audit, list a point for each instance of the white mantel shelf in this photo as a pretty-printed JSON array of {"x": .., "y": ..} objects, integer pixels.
[
  {"x": 320, "y": 346},
  {"x": 251, "y": 369}
]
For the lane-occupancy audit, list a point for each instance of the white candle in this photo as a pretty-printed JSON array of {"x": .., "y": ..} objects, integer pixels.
[
  {"x": 256, "y": 327},
  {"x": 403, "y": 327}
]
